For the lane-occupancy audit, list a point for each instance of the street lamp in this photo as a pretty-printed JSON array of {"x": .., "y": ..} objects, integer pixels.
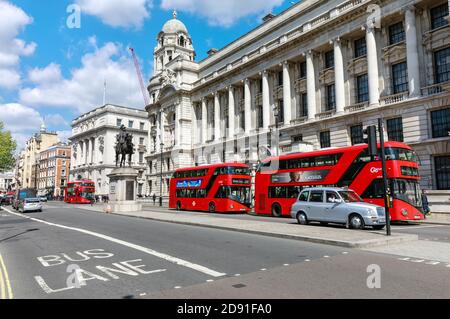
[
  {"x": 276, "y": 113},
  {"x": 161, "y": 179}
]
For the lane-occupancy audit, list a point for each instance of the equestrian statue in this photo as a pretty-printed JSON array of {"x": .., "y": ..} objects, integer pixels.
[{"x": 124, "y": 146}]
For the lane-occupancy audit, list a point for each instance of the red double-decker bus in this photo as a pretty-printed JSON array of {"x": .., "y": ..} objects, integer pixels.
[
  {"x": 221, "y": 188},
  {"x": 79, "y": 192},
  {"x": 279, "y": 180}
]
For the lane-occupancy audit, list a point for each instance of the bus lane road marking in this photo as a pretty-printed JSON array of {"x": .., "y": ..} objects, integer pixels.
[
  {"x": 5, "y": 284},
  {"x": 77, "y": 275},
  {"x": 146, "y": 250}
]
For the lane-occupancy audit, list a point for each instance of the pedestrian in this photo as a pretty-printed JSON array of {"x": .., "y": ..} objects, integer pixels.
[
  {"x": 425, "y": 204},
  {"x": 154, "y": 198}
]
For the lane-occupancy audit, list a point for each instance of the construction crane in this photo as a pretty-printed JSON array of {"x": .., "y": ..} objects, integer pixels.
[{"x": 141, "y": 82}]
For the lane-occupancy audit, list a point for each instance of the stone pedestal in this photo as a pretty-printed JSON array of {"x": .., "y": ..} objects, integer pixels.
[{"x": 122, "y": 190}]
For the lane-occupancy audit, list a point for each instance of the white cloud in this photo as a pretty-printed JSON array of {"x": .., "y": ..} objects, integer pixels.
[
  {"x": 21, "y": 120},
  {"x": 83, "y": 90},
  {"x": 24, "y": 121},
  {"x": 49, "y": 74},
  {"x": 55, "y": 120},
  {"x": 12, "y": 21},
  {"x": 222, "y": 13},
  {"x": 118, "y": 13},
  {"x": 64, "y": 135}
]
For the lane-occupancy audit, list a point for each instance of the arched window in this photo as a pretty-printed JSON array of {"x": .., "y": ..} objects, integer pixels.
[{"x": 182, "y": 41}]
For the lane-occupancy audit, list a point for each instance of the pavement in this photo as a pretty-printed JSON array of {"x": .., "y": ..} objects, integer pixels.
[{"x": 323, "y": 235}]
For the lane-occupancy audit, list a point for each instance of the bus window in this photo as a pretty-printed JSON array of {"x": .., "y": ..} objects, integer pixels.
[{"x": 374, "y": 190}]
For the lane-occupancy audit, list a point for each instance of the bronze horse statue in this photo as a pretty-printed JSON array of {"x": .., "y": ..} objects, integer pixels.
[{"x": 124, "y": 146}]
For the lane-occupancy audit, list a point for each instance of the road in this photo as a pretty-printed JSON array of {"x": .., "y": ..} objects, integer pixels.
[{"x": 71, "y": 253}]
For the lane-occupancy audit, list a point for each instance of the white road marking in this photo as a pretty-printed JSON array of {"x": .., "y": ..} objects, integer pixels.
[
  {"x": 307, "y": 260},
  {"x": 345, "y": 253},
  {"x": 177, "y": 287},
  {"x": 326, "y": 256},
  {"x": 149, "y": 251},
  {"x": 417, "y": 227},
  {"x": 209, "y": 280},
  {"x": 263, "y": 269},
  {"x": 237, "y": 275},
  {"x": 286, "y": 265}
]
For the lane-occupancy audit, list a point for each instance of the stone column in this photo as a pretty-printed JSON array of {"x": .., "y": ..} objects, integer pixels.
[
  {"x": 216, "y": 116},
  {"x": 372, "y": 67},
  {"x": 79, "y": 160},
  {"x": 204, "y": 121},
  {"x": 412, "y": 52},
  {"x": 247, "y": 106},
  {"x": 339, "y": 76},
  {"x": 265, "y": 100},
  {"x": 93, "y": 150},
  {"x": 287, "y": 93},
  {"x": 311, "y": 85},
  {"x": 163, "y": 129},
  {"x": 158, "y": 131},
  {"x": 86, "y": 153},
  {"x": 194, "y": 123},
  {"x": 177, "y": 125},
  {"x": 231, "y": 112}
]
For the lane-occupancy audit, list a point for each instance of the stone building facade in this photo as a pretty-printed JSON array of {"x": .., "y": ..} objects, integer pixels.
[
  {"x": 312, "y": 77},
  {"x": 93, "y": 140},
  {"x": 54, "y": 168},
  {"x": 28, "y": 162}
]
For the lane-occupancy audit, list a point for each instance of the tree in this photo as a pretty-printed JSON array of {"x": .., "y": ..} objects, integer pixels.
[{"x": 7, "y": 148}]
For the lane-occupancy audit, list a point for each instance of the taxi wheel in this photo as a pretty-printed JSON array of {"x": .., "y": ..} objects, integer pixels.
[
  {"x": 302, "y": 219},
  {"x": 356, "y": 222}
]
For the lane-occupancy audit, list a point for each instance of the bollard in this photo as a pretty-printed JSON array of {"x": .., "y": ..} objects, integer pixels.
[{"x": 108, "y": 209}]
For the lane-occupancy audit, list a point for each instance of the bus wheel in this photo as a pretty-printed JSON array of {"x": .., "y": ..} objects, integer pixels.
[
  {"x": 178, "y": 206},
  {"x": 276, "y": 210},
  {"x": 212, "y": 208},
  {"x": 356, "y": 221},
  {"x": 302, "y": 219}
]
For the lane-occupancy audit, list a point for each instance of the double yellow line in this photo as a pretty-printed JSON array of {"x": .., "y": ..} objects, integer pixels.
[{"x": 5, "y": 285}]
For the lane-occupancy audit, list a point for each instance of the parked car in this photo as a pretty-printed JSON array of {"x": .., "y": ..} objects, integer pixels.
[
  {"x": 20, "y": 196},
  {"x": 337, "y": 205},
  {"x": 30, "y": 204}
]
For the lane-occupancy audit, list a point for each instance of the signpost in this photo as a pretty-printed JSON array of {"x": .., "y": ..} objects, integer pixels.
[
  {"x": 386, "y": 191},
  {"x": 371, "y": 140}
]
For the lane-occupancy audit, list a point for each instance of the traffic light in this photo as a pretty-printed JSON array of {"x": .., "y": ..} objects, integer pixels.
[{"x": 371, "y": 139}]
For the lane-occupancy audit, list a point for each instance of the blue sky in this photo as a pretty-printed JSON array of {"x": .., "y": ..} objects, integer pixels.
[{"x": 52, "y": 73}]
